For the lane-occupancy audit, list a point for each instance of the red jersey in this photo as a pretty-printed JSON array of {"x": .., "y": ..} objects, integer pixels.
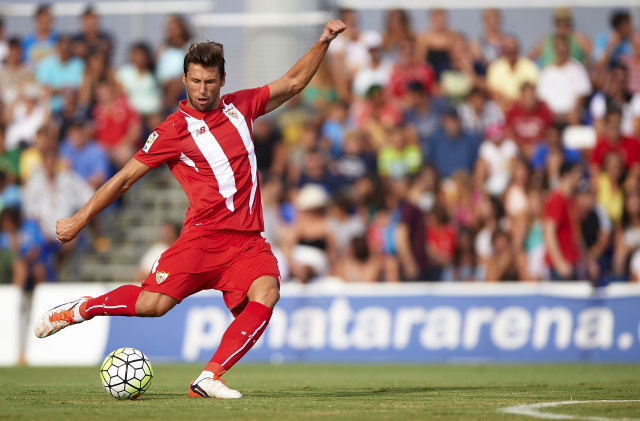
[
  {"x": 529, "y": 127},
  {"x": 627, "y": 147},
  {"x": 558, "y": 208},
  {"x": 212, "y": 156},
  {"x": 112, "y": 123}
]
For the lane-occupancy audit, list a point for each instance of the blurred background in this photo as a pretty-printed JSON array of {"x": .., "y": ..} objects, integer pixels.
[{"x": 469, "y": 146}]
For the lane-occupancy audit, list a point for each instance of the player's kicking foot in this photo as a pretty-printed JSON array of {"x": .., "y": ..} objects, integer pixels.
[
  {"x": 210, "y": 388},
  {"x": 58, "y": 318}
]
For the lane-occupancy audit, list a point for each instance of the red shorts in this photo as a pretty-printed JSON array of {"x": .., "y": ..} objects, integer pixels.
[{"x": 224, "y": 260}]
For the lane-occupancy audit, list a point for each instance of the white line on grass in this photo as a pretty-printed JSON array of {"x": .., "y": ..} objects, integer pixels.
[{"x": 533, "y": 410}]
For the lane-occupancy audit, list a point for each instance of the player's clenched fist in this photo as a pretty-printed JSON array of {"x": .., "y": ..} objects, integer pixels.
[
  {"x": 331, "y": 30},
  {"x": 67, "y": 229}
]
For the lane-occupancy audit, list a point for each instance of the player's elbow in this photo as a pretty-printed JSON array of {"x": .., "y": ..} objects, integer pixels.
[{"x": 295, "y": 86}]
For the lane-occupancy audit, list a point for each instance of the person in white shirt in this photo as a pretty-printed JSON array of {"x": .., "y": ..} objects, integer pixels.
[
  {"x": 377, "y": 72},
  {"x": 564, "y": 84}
]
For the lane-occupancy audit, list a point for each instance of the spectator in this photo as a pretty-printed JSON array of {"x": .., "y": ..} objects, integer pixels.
[
  {"x": 316, "y": 171},
  {"x": 450, "y": 148},
  {"x": 579, "y": 44},
  {"x": 564, "y": 85},
  {"x": 612, "y": 140},
  {"x": 440, "y": 241},
  {"x": 488, "y": 46},
  {"x": 560, "y": 235},
  {"x": 496, "y": 157},
  {"x": 464, "y": 73},
  {"x": 49, "y": 195},
  {"x": 411, "y": 229},
  {"x": 463, "y": 266},
  {"x": 9, "y": 158},
  {"x": 506, "y": 75},
  {"x": 528, "y": 121},
  {"x": 344, "y": 225},
  {"x": 60, "y": 71},
  {"x": 4, "y": 45},
  {"x": 169, "y": 66},
  {"x": 407, "y": 71},
  {"x": 610, "y": 46},
  {"x": 397, "y": 32},
  {"x": 83, "y": 155},
  {"x": 478, "y": 112},
  {"x": 399, "y": 158},
  {"x": 627, "y": 239},
  {"x": 96, "y": 69},
  {"x": 377, "y": 72},
  {"x": 31, "y": 158},
  {"x": 632, "y": 63},
  {"x": 41, "y": 42},
  {"x": 595, "y": 227},
  {"x": 516, "y": 203},
  {"x": 139, "y": 83},
  {"x": 549, "y": 155},
  {"x": 489, "y": 216},
  {"x": 118, "y": 126},
  {"x": 347, "y": 54},
  {"x": 534, "y": 266},
  {"x": 434, "y": 45},
  {"x": 615, "y": 94},
  {"x": 321, "y": 90},
  {"x": 610, "y": 193},
  {"x": 311, "y": 246},
  {"x": 92, "y": 39},
  {"x": 504, "y": 262},
  {"x": 356, "y": 160},
  {"x": 27, "y": 114},
  {"x": 269, "y": 149},
  {"x": 376, "y": 115},
  {"x": 358, "y": 263},
  {"x": 15, "y": 73},
  {"x": 421, "y": 114},
  {"x": 381, "y": 238},
  {"x": 167, "y": 235}
]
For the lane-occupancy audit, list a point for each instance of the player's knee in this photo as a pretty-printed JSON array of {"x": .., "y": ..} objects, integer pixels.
[
  {"x": 270, "y": 297},
  {"x": 151, "y": 308}
]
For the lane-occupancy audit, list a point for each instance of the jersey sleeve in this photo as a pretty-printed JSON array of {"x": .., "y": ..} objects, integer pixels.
[
  {"x": 163, "y": 145},
  {"x": 252, "y": 102}
]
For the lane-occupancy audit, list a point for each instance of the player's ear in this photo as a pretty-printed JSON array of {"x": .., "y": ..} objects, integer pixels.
[
  {"x": 224, "y": 77},
  {"x": 184, "y": 79}
]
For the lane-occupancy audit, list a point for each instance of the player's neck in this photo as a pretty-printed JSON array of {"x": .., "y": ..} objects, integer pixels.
[{"x": 214, "y": 106}]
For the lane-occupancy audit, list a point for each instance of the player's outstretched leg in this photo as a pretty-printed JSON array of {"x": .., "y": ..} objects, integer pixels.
[{"x": 119, "y": 302}]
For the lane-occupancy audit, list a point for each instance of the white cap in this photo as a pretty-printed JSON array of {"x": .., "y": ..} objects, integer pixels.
[
  {"x": 372, "y": 39},
  {"x": 312, "y": 196}
]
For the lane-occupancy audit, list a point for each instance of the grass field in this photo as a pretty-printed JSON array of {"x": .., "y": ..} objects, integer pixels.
[{"x": 336, "y": 392}]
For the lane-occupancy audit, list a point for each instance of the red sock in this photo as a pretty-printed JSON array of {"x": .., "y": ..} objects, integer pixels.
[
  {"x": 119, "y": 302},
  {"x": 239, "y": 337}
]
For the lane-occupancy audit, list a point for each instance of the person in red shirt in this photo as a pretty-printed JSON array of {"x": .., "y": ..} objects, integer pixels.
[
  {"x": 117, "y": 126},
  {"x": 208, "y": 146},
  {"x": 612, "y": 141},
  {"x": 408, "y": 70},
  {"x": 528, "y": 121},
  {"x": 561, "y": 235}
]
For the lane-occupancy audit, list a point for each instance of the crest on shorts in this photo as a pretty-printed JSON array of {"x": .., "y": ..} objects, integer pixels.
[
  {"x": 161, "y": 276},
  {"x": 152, "y": 138},
  {"x": 231, "y": 111}
]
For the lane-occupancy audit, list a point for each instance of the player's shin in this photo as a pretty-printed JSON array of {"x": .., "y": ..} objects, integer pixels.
[
  {"x": 119, "y": 302},
  {"x": 239, "y": 337}
]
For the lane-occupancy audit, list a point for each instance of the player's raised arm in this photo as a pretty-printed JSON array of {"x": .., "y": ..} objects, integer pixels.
[
  {"x": 294, "y": 81},
  {"x": 68, "y": 228}
]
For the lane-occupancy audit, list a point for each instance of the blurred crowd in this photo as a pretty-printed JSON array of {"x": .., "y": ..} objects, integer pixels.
[{"x": 411, "y": 156}]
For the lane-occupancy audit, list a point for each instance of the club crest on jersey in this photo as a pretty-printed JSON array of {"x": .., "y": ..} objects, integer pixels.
[
  {"x": 231, "y": 112},
  {"x": 161, "y": 277},
  {"x": 152, "y": 138}
]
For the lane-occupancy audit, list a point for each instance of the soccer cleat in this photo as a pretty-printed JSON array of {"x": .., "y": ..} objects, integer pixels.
[
  {"x": 58, "y": 318},
  {"x": 212, "y": 388}
]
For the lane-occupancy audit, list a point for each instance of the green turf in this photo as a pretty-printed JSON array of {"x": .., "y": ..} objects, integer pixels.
[{"x": 336, "y": 392}]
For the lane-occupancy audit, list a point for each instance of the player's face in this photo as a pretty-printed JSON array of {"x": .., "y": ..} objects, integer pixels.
[{"x": 203, "y": 87}]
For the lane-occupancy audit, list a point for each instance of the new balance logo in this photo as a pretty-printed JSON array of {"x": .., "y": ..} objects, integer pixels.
[{"x": 199, "y": 131}]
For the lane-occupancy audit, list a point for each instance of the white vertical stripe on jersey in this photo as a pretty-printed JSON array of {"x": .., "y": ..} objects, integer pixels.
[
  {"x": 184, "y": 158},
  {"x": 241, "y": 125},
  {"x": 213, "y": 153}
]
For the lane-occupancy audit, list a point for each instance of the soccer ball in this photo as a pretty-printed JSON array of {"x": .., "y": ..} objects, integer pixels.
[{"x": 126, "y": 373}]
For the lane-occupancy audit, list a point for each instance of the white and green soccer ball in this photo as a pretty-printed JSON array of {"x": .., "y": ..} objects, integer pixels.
[{"x": 126, "y": 373}]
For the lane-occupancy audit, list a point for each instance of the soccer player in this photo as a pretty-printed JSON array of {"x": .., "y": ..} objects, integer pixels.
[{"x": 208, "y": 146}]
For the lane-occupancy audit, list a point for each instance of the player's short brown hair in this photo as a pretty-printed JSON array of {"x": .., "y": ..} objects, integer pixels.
[{"x": 207, "y": 54}]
